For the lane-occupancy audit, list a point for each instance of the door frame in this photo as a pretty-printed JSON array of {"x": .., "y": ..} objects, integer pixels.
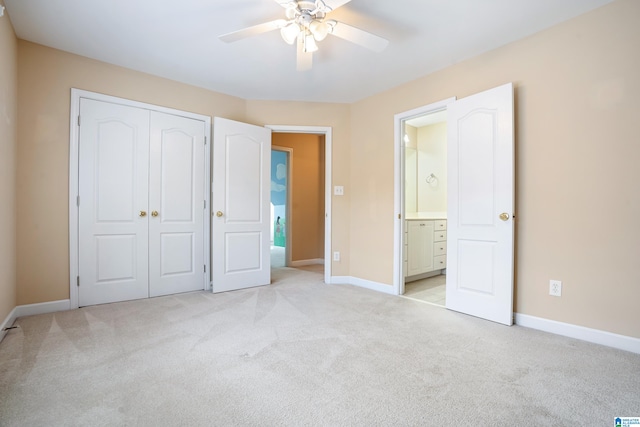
[
  {"x": 399, "y": 187},
  {"x": 74, "y": 168},
  {"x": 326, "y": 131},
  {"x": 289, "y": 186}
]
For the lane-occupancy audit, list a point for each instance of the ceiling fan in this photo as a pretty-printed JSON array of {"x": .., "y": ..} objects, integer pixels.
[{"x": 306, "y": 23}]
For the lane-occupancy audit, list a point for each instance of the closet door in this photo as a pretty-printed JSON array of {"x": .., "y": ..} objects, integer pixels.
[
  {"x": 113, "y": 190},
  {"x": 176, "y": 204},
  {"x": 241, "y": 202}
]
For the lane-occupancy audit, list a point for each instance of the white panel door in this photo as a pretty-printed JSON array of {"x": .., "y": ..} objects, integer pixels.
[
  {"x": 176, "y": 204},
  {"x": 481, "y": 205},
  {"x": 241, "y": 205},
  {"x": 113, "y": 220}
]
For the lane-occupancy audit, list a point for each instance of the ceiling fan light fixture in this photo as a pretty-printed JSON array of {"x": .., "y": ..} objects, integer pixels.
[
  {"x": 310, "y": 43},
  {"x": 291, "y": 12},
  {"x": 306, "y": 25},
  {"x": 320, "y": 30},
  {"x": 290, "y": 32}
]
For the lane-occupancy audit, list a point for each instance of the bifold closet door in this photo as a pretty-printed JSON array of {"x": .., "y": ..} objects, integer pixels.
[
  {"x": 113, "y": 203},
  {"x": 176, "y": 204}
]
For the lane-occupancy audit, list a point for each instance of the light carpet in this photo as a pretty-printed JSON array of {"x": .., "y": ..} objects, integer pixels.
[{"x": 300, "y": 352}]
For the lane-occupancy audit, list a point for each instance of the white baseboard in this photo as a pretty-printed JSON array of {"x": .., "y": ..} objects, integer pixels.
[
  {"x": 31, "y": 310},
  {"x": 43, "y": 308},
  {"x": 596, "y": 336},
  {"x": 362, "y": 283},
  {"x": 303, "y": 262}
]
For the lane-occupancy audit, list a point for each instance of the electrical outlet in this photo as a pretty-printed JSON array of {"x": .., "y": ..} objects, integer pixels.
[
  {"x": 336, "y": 256},
  {"x": 555, "y": 288},
  {"x": 338, "y": 190}
]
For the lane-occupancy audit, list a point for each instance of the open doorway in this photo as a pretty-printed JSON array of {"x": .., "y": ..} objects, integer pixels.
[
  {"x": 300, "y": 220},
  {"x": 425, "y": 206},
  {"x": 421, "y": 200}
]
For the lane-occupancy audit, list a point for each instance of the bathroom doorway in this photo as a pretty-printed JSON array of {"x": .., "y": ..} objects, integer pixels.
[{"x": 424, "y": 144}]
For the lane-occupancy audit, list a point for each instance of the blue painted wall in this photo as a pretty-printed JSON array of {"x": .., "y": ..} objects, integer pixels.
[
  {"x": 279, "y": 195},
  {"x": 278, "y": 178}
]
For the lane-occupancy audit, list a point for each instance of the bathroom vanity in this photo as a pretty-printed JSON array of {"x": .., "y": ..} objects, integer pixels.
[{"x": 425, "y": 247}]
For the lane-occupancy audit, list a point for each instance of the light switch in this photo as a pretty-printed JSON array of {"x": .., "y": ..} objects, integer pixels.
[{"x": 338, "y": 190}]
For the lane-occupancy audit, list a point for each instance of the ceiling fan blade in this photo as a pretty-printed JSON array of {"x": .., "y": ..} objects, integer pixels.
[
  {"x": 329, "y": 4},
  {"x": 334, "y": 4},
  {"x": 359, "y": 37},
  {"x": 304, "y": 60},
  {"x": 253, "y": 31},
  {"x": 287, "y": 3}
]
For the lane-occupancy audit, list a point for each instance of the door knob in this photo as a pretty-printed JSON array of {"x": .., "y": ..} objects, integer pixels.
[
  {"x": 143, "y": 213},
  {"x": 219, "y": 214},
  {"x": 154, "y": 213},
  {"x": 504, "y": 216}
]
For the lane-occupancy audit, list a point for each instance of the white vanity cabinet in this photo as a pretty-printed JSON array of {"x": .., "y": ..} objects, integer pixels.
[
  {"x": 440, "y": 245},
  {"x": 419, "y": 246},
  {"x": 425, "y": 246}
]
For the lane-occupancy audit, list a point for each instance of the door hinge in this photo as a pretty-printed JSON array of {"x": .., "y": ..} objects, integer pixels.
[
  {"x": 78, "y": 281},
  {"x": 78, "y": 120},
  {"x": 205, "y": 204},
  {"x": 77, "y": 200},
  {"x": 205, "y": 268},
  {"x": 205, "y": 140}
]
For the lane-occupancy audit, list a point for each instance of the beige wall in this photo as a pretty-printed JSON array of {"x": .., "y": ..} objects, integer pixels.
[
  {"x": 46, "y": 78},
  {"x": 432, "y": 159},
  {"x": 8, "y": 147},
  {"x": 307, "y": 194},
  {"x": 577, "y": 145},
  {"x": 337, "y": 117}
]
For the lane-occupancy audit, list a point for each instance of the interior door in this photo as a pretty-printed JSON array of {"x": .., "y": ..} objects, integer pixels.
[
  {"x": 480, "y": 238},
  {"x": 112, "y": 213},
  {"x": 176, "y": 204},
  {"x": 241, "y": 205}
]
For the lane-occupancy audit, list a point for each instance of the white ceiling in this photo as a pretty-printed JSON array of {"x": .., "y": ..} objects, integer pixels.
[{"x": 178, "y": 40}]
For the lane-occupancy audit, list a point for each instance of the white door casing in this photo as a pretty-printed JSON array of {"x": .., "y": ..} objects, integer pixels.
[
  {"x": 240, "y": 208},
  {"x": 399, "y": 186},
  {"x": 113, "y": 187},
  {"x": 480, "y": 163},
  {"x": 176, "y": 204},
  {"x": 328, "y": 181},
  {"x": 107, "y": 176}
]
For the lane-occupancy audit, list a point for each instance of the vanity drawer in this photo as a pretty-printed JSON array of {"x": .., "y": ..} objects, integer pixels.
[
  {"x": 440, "y": 236},
  {"x": 439, "y": 248},
  {"x": 440, "y": 262},
  {"x": 440, "y": 224}
]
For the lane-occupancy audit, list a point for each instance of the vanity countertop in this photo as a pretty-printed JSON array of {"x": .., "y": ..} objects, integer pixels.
[{"x": 425, "y": 215}]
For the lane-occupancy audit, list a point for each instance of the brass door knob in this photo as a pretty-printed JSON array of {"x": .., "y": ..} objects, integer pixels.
[
  {"x": 219, "y": 214},
  {"x": 154, "y": 213},
  {"x": 504, "y": 216},
  {"x": 143, "y": 213}
]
